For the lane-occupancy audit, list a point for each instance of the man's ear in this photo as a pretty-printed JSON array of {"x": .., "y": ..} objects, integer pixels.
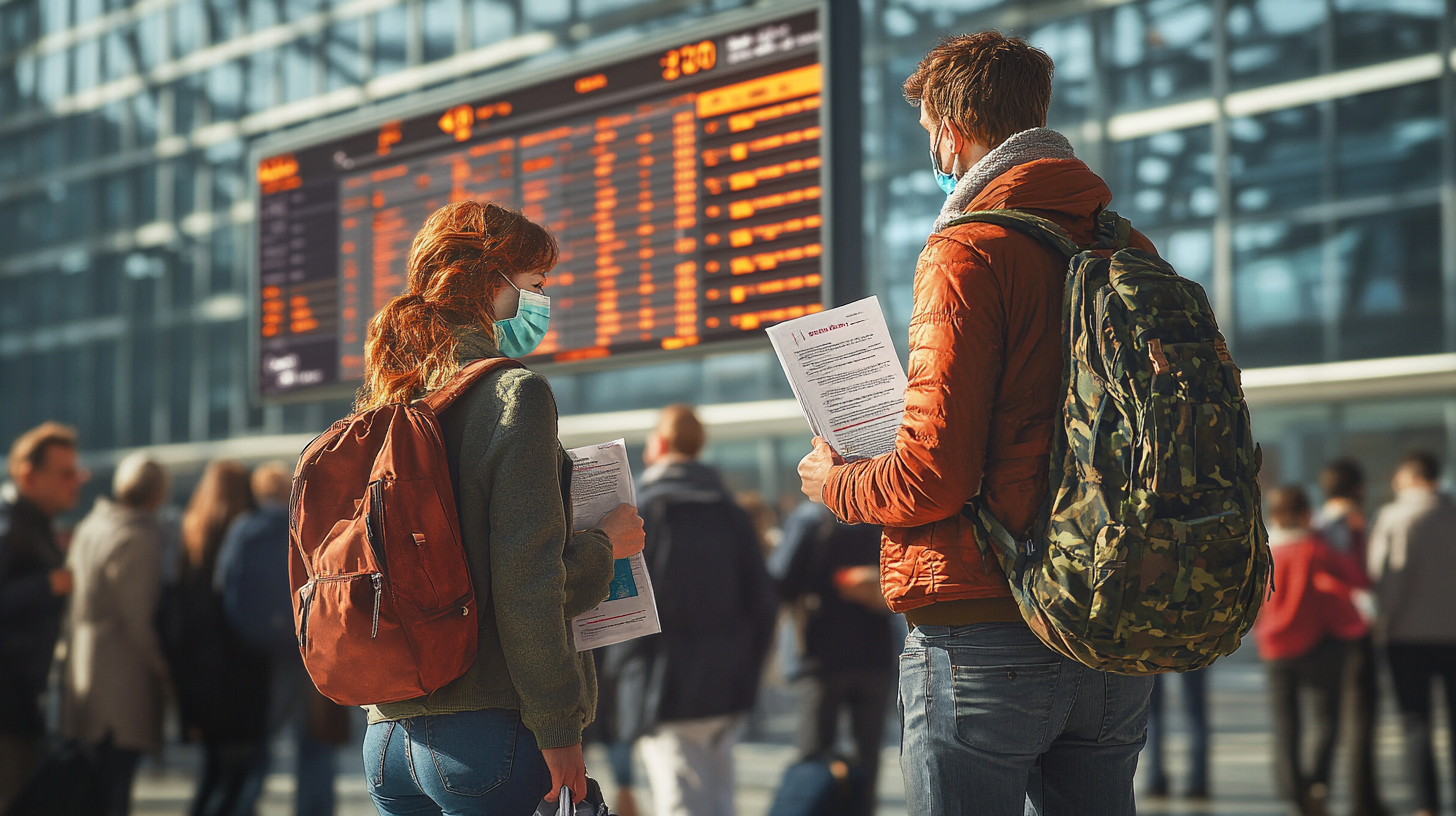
[{"x": 24, "y": 475}]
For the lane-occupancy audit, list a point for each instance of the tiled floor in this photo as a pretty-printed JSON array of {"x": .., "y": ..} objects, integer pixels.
[{"x": 1242, "y": 775}]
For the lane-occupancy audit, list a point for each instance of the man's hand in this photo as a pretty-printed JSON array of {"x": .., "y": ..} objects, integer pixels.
[
  {"x": 861, "y": 585},
  {"x": 62, "y": 581},
  {"x": 568, "y": 768},
  {"x": 624, "y": 527},
  {"x": 814, "y": 469}
]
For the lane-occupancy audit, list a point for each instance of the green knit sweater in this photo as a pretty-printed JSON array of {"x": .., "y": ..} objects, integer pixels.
[{"x": 531, "y": 573}]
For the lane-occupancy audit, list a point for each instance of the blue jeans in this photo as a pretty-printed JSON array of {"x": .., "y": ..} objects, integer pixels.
[
  {"x": 996, "y": 724},
  {"x": 474, "y": 762}
]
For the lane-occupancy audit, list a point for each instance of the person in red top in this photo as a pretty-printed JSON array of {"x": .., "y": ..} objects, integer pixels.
[
  {"x": 1304, "y": 633},
  {"x": 992, "y": 718}
]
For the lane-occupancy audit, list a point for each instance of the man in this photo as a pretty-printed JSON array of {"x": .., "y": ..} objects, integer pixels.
[
  {"x": 831, "y": 572},
  {"x": 114, "y": 686},
  {"x": 1412, "y": 561},
  {"x": 34, "y": 582},
  {"x": 1341, "y": 521},
  {"x": 686, "y": 692},
  {"x": 992, "y": 718},
  {"x": 252, "y": 577}
]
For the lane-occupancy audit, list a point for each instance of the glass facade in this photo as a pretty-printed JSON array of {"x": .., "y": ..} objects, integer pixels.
[{"x": 1290, "y": 155}]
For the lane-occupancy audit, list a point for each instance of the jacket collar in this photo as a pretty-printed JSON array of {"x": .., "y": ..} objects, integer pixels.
[{"x": 474, "y": 343}]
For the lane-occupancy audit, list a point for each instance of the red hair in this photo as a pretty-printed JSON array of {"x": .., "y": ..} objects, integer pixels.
[{"x": 456, "y": 268}]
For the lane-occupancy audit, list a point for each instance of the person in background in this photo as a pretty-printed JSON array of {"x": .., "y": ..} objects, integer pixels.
[
  {"x": 114, "y": 685},
  {"x": 509, "y": 731},
  {"x": 1412, "y": 562},
  {"x": 1304, "y": 632},
  {"x": 252, "y": 577},
  {"x": 830, "y": 572},
  {"x": 46, "y": 479},
  {"x": 1195, "y": 708},
  {"x": 1341, "y": 521},
  {"x": 221, "y": 682},
  {"x": 763, "y": 517},
  {"x": 684, "y": 694}
]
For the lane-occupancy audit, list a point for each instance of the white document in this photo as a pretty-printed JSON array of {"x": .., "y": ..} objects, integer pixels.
[
  {"x": 601, "y": 479},
  {"x": 844, "y": 372}
]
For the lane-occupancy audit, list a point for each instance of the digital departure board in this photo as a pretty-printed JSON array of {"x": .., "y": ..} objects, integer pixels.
[{"x": 686, "y": 185}]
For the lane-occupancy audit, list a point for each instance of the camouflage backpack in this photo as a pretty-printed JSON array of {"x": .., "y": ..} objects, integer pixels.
[{"x": 1150, "y": 554}]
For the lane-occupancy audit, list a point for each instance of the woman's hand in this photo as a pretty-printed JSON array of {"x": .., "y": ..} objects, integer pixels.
[
  {"x": 624, "y": 527},
  {"x": 568, "y": 767}
]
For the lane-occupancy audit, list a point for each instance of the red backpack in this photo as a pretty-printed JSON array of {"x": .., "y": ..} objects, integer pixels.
[{"x": 382, "y": 599}]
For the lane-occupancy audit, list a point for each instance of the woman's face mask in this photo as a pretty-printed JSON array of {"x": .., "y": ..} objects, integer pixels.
[{"x": 520, "y": 334}]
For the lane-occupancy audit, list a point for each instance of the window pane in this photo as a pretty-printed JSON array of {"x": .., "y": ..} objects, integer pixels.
[
  {"x": 1275, "y": 159},
  {"x": 189, "y": 27},
  {"x": 1069, "y": 43},
  {"x": 119, "y": 60},
  {"x": 1390, "y": 274},
  {"x": 225, "y": 90},
  {"x": 1157, "y": 51},
  {"x": 1190, "y": 251},
  {"x": 86, "y": 58},
  {"x": 341, "y": 55},
  {"x": 1273, "y": 40},
  {"x": 144, "y": 118},
  {"x": 1279, "y": 299},
  {"x": 1166, "y": 178},
  {"x": 491, "y": 21},
  {"x": 298, "y": 70},
  {"x": 389, "y": 32},
  {"x": 262, "y": 81},
  {"x": 151, "y": 39},
  {"x": 1390, "y": 140},
  {"x": 1369, "y": 31},
  {"x": 442, "y": 21}
]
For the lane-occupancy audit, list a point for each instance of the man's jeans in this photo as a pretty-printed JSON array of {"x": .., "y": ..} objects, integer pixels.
[{"x": 996, "y": 724}]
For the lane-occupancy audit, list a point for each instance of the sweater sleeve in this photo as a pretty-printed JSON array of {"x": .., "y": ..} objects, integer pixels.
[
  {"x": 529, "y": 573},
  {"x": 956, "y": 345},
  {"x": 589, "y": 566}
]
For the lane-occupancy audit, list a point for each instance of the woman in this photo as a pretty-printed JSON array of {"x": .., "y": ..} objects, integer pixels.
[
  {"x": 221, "y": 682},
  {"x": 1305, "y": 632},
  {"x": 508, "y": 732}
]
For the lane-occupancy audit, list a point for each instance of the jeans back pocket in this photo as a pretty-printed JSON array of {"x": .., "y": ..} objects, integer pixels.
[
  {"x": 1005, "y": 709},
  {"x": 472, "y": 751}
]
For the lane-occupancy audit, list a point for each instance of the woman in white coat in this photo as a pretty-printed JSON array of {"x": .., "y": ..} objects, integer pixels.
[{"x": 115, "y": 678}]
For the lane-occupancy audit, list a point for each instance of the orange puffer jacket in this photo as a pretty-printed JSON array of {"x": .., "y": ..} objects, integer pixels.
[{"x": 984, "y": 394}]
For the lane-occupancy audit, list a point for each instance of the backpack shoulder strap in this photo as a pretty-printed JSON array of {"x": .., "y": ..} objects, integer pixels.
[
  {"x": 1113, "y": 231},
  {"x": 460, "y": 383}
]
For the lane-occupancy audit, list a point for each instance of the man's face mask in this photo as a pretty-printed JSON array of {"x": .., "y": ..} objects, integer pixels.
[
  {"x": 518, "y": 336},
  {"x": 944, "y": 180}
]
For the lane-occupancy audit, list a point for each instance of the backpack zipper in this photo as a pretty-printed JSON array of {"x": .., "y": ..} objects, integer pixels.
[
  {"x": 378, "y": 581},
  {"x": 305, "y": 605},
  {"x": 374, "y": 523}
]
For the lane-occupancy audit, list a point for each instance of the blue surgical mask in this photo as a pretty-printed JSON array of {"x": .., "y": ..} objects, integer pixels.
[
  {"x": 944, "y": 180},
  {"x": 518, "y": 336}
]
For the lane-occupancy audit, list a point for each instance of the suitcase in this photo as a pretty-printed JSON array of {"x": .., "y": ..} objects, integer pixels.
[
  {"x": 67, "y": 783},
  {"x": 822, "y": 787}
]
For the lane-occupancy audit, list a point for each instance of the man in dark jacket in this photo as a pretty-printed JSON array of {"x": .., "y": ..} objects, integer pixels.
[
  {"x": 34, "y": 584},
  {"x": 685, "y": 692},
  {"x": 831, "y": 572}
]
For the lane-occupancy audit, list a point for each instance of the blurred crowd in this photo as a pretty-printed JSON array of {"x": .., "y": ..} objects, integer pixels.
[{"x": 128, "y": 616}]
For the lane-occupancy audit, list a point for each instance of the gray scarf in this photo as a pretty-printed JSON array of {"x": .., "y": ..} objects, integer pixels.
[{"x": 1019, "y": 148}]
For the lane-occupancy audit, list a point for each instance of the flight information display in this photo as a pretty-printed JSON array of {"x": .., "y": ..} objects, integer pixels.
[{"x": 685, "y": 186}]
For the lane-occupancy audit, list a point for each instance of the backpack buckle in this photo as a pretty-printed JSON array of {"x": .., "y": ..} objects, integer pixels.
[{"x": 1158, "y": 358}]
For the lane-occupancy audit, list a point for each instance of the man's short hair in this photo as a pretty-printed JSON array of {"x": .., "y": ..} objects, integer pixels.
[
  {"x": 1342, "y": 479},
  {"x": 680, "y": 428},
  {"x": 32, "y": 446},
  {"x": 989, "y": 85},
  {"x": 1421, "y": 463},
  {"x": 272, "y": 481},
  {"x": 1288, "y": 506},
  {"x": 138, "y": 481}
]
